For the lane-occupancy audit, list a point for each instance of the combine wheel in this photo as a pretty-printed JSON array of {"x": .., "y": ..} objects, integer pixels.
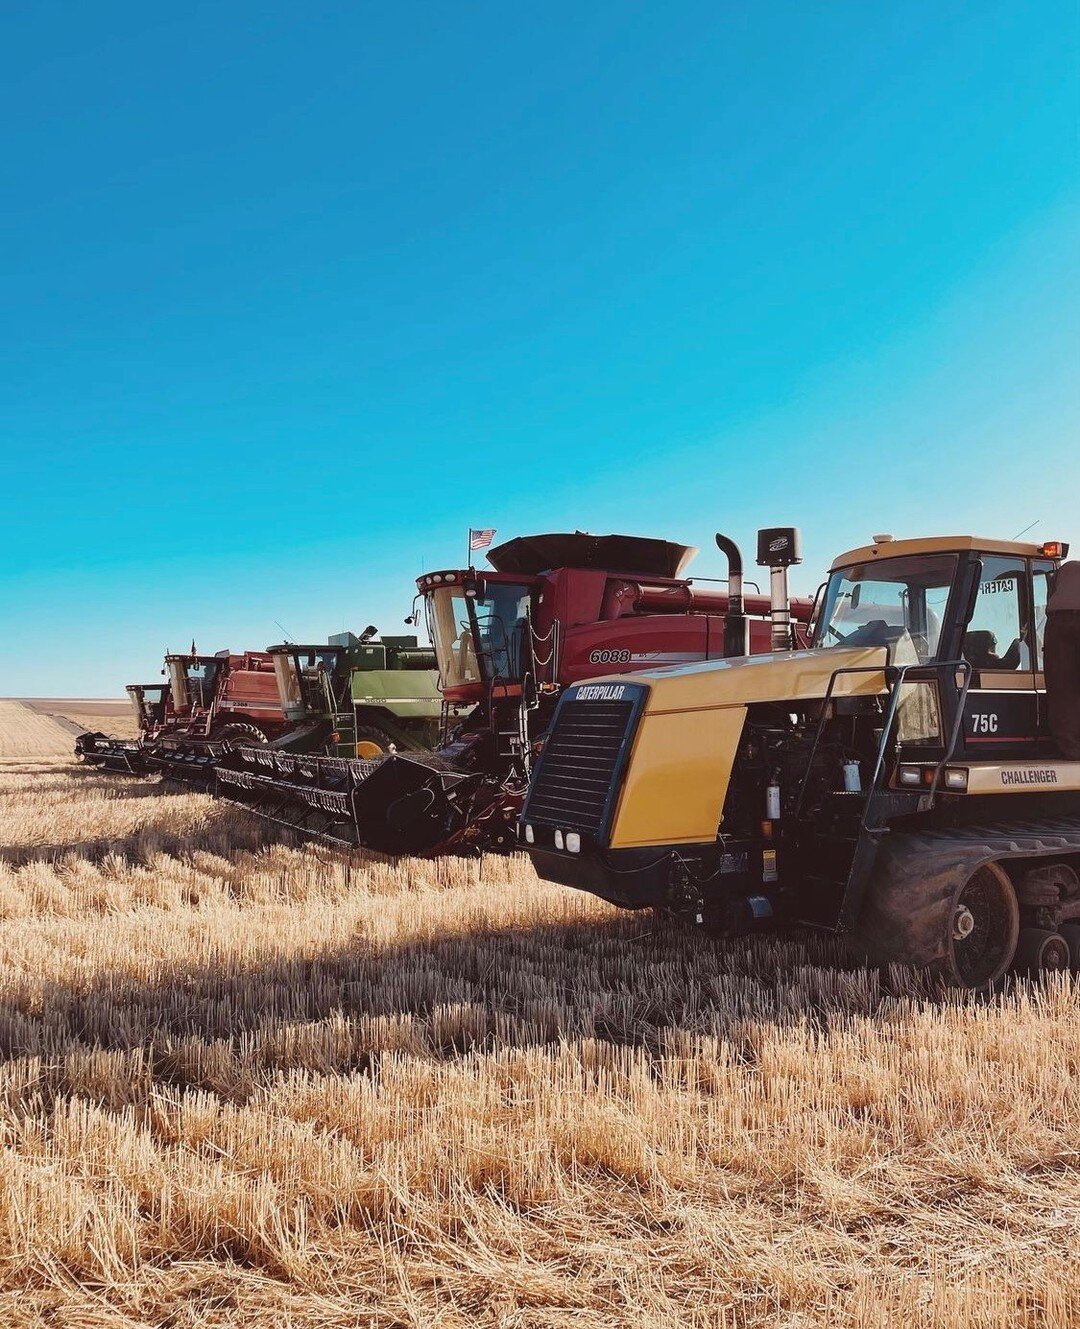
[
  {"x": 371, "y": 741},
  {"x": 242, "y": 735},
  {"x": 1041, "y": 952},
  {"x": 1071, "y": 933}
]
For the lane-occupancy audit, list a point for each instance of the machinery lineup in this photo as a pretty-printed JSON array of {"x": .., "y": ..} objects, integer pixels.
[{"x": 884, "y": 760}]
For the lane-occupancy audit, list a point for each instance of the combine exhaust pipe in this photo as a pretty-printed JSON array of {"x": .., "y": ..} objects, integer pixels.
[
  {"x": 736, "y": 623},
  {"x": 779, "y": 547}
]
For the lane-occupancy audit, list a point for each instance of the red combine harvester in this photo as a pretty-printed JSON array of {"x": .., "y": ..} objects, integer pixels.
[
  {"x": 209, "y": 700},
  {"x": 555, "y": 610},
  {"x": 216, "y": 700}
]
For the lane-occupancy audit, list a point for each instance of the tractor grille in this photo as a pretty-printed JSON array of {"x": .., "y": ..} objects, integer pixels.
[{"x": 573, "y": 783}]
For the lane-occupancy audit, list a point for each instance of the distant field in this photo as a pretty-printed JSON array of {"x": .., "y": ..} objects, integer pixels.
[
  {"x": 113, "y": 717},
  {"x": 245, "y": 1083}
]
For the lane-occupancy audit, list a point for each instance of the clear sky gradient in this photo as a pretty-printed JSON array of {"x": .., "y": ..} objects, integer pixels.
[{"x": 292, "y": 295}]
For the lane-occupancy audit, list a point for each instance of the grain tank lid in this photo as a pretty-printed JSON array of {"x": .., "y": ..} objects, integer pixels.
[{"x": 529, "y": 555}]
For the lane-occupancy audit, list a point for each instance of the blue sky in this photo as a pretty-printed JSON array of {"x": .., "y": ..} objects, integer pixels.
[{"x": 292, "y": 296}]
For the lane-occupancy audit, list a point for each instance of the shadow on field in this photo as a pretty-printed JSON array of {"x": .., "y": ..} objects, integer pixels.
[
  {"x": 621, "y": 981},
  {"x": 225, "y": 832}
]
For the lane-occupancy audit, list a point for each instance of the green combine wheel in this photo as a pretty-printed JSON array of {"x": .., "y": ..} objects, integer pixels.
[
  {"x": 1040, "y": 951},
  {"x": 371, "y": 741},
  {"x": 242, "y": 735}
]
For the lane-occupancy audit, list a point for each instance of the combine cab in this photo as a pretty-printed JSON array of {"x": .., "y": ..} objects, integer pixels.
[
  {"x": 149, "y": 701},
  {"x": 554, "y": 610}
]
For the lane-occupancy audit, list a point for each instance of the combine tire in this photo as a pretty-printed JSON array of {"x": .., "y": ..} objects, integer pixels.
[
  {"x": 1071, "y": 933},
  {"x": 242, "y": 735},
  {"x": 371, "y": 741},
  {"x": 937, "y": 910},
  {"x": 1041, "y": 952}
]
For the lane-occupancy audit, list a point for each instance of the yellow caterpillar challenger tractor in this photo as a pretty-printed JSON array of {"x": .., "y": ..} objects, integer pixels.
[{"x": 897, "y": 781}]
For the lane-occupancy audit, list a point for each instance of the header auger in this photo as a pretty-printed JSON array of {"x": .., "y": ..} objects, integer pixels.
[
  {"x": 903, "y": 781},
  {"x": 553, "y": 610}
]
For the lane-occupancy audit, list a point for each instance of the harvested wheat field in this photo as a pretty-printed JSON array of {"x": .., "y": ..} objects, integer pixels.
[{"x": 256, "y": 1084}]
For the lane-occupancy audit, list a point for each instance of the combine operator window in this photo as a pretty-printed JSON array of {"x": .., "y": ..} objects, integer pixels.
[
  {"x": 481, "y": 637},
  {"x": 894, "y": 602}
]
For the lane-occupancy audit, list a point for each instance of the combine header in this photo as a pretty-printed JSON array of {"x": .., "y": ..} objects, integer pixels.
[{"x": 555, "y": 610}]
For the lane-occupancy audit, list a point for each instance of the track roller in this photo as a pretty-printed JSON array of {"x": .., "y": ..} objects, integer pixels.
[
  {"x": 1040, "y": 951},
  {"x": 1071, "y": 933}
]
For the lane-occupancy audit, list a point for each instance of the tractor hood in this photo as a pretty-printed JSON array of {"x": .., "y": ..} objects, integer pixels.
[
  {"x": 690, "y": 727},
  {"x": 783, "y": 676}
]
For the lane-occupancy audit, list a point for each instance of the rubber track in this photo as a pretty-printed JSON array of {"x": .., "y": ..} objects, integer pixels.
[{"x": 907, "y": 912}]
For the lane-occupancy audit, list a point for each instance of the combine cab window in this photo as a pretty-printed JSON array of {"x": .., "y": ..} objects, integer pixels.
[
  {"x": 451, "y": 634},
  {"x": 994, "y": 639},
  {"x": 479, "y": 637},
  {"x": 502, "y": 621},
  {"x": 894, "y": 602}
]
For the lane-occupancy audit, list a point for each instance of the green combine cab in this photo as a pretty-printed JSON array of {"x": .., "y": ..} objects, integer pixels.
[{"x": 356, "y": 697}]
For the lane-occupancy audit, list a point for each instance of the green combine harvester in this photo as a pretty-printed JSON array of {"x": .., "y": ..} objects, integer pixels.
[{"x": 356, "y": 697}]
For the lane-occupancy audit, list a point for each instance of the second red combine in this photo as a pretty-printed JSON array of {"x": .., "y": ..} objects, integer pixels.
[{"x": 553, "y": 610}]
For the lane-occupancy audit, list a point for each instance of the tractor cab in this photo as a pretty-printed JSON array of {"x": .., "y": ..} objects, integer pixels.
[
  {"x": 194, "y": 680},
  {"x": 148, "y": 701},
  {"x": 977, "y": 604}
]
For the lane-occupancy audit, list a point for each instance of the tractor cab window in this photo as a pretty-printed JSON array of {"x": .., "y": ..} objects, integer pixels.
[
  {"x": 1042, "y": 575},
  {"x": 898, "y": 603},
  {"x": 479, "y": 637},
  {"x": 994, "y": 639}
]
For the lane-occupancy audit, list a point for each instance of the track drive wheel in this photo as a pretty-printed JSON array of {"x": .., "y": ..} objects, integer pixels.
[
  {"x": 242, "y": 735},
  {"x": 371, "y": 741},
  {"x": 1040, "y": 951},
  {"x": 983, "y": 928},
  {"x": 934, "y": 910},
  {"x": 1071, "y": 933}
]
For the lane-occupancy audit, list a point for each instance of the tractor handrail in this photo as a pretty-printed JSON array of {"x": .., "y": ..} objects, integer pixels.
[{"x": 894, "y": 676}]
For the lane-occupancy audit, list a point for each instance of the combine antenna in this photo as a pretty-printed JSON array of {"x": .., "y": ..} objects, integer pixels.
[
  {"x": 288, "y": 634},
  {"x": 1027, "y": 528}
]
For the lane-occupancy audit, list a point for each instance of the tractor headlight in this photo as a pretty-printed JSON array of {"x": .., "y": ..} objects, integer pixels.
[
  {"x": 558, "y": 839},
  {"x": 910, "y": 775},
  {"x": 530, "y": 834},
  {"x": 573, "y": 842},
  {"x": 956, "y": 777}
]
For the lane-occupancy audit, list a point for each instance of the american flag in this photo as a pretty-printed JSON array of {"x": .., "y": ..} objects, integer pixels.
[{"x": 481, "y": 539}]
